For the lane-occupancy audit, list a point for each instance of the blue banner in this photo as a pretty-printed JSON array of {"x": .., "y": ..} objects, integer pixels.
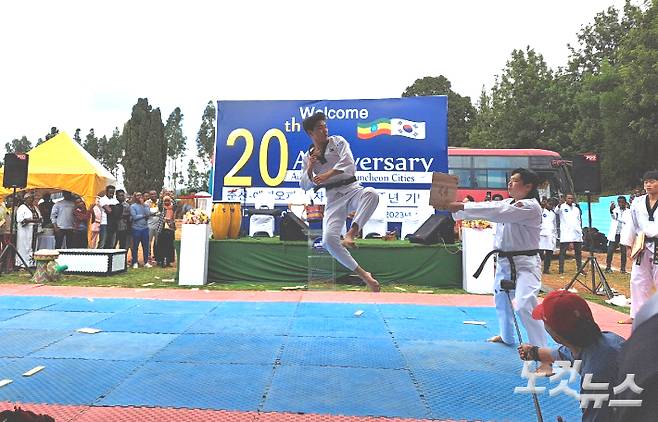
[{"x": 397, "y": 144}]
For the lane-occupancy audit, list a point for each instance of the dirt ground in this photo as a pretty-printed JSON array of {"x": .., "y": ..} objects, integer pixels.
[{"x": 616, "y": 280}]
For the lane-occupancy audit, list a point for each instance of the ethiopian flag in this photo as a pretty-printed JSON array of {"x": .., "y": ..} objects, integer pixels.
[{"x": 372, "y": 129}]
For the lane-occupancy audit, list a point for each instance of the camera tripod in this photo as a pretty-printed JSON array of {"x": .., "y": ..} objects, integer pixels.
[{"x": 594, "y": 267}]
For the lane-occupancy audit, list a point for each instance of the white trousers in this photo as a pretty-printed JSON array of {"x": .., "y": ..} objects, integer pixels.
[
  {"x": 524, "y": 299},
  {"x": 340, "y": 202},
  {"x": 644, "y": 280}
]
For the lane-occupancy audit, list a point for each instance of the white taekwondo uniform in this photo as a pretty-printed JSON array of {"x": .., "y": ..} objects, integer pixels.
[
  {"x": 518, "y": 229},
  {"x": 644, "y": 277},
  {"x": 341, "y": 200},
  {"x": 548, "y": 233},
  {"x": 571, "y": 226}
]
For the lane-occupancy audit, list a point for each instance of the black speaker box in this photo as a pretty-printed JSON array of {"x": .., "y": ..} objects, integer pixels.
[
  {"x": 292, "y": 228},
  {"x": 15, "y": 170},
  {"x": 437, "y": 228},
  {"x": 587, "y": 173}
]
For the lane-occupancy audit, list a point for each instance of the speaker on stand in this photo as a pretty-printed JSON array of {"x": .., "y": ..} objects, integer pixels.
[
  {"x": 587, "y": 180},
  {"x": 14, "y": 177}
]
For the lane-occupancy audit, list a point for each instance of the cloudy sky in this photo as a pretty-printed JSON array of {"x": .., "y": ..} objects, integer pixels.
[{"x": 83, "y": 64}]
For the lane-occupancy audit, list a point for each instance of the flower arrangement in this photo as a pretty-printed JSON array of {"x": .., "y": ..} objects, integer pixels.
[
  {"x": 196, "y": 216},
  {"x": 477, "y": 224}
]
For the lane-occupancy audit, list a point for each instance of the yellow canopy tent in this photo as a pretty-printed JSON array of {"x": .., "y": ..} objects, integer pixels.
[{"x": 62, "y": 164}]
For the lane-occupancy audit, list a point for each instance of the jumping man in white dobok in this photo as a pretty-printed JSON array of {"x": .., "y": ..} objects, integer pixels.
[{"x": 329, "y": 163}]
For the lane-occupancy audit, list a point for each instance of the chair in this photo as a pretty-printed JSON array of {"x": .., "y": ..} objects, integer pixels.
[
  {"x": 410, "y": 225},
  {"x": 261, "y": 225},
  {"x": 378, "y": 223}
]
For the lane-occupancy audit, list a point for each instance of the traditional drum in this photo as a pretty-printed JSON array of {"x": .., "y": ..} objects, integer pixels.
[
  {"x": 220, "y": 220},
  {"x": 45, "y": 260},
  {"x": 235, "y": 211},
  {"x": 314, "y": 212}
]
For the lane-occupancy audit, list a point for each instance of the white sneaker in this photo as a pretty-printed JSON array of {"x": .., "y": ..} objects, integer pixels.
[
  {"x": 147, "y": 265},
  {"x": 135, "y": 265}
]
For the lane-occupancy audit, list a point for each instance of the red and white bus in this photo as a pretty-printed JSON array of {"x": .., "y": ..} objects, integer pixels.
[{"x": 484, "y": 172}]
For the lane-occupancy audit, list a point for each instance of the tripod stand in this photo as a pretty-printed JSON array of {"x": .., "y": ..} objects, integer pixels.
[
  {"x": 10, "y": 245},
  {"x": 595, "y": 268}
]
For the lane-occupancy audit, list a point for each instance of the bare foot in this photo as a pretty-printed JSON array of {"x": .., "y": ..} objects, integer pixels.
[
  {"x": 625, "y": 321},
  {"x": 348, "y": 242},
  {"x": 495, "y": 339},
  {"x": 371, "y": 282},
  {"x": 545, "y": 369}
]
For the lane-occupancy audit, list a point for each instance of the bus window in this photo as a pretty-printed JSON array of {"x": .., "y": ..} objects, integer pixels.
[
  {"x": 497, "y": 179},
  {"x": 500, "y": 162},
  {"x": 464, "y": 177},
  {"x": 480, "y": 179}
]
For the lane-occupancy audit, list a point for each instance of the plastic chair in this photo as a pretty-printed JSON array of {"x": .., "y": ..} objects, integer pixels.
[{"x": 260, "y": 225}]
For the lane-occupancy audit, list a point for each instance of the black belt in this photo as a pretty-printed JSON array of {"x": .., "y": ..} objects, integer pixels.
[
  {"x": 337, "y": 184},
  {"x": 638, "y": 260},
  {"x": 509, "y": 256}
]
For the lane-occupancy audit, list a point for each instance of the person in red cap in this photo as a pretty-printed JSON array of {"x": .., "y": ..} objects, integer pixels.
[{"x": 568, "y": 319}]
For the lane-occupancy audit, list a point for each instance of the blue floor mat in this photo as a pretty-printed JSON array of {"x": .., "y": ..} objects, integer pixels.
[
  {"x": 364, "y": 326},
  {"x": 335, "y": 310},
  {"x": 19, "y": 343},
  {"x": 27, "y": 302},
  {"x": 223, "y": 348},
  {"x": 249, "y": 309},
  {"x": 149, "y": 323},
  {"x": 404, "y": 361},
  {"x": 63, "y": 381},
  {"x": 428, "y": 329},
  {"x": 479, "y": 395},
  {"x": 172, "y": 307},
  {"x": 6, "y": 314},
  {"x": 344, "y": 391},
  {"x": 345, "y": 352},
  {"x": 76, "y": 304},
  {"x": 108, "y": 346},
  {"x": 193, "y": 385},
  {"x": 217, "y": 324},
  {"x": 54, "y": 320}
]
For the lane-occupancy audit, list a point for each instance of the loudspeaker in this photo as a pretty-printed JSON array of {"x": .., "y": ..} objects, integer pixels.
[
  {"x": 15, "y": 170},
  {"x": 435, "y": 229},
  {"x": 587, "y": 173},
  {"x": 293, "y": 228}
]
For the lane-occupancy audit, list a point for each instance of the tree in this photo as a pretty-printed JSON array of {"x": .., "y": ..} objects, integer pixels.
[
  {"x": 19, "y": 146},
  {"x": 76, "y": 136},
  {"x": 176, "y": 143},
  {"x": 205, "y": 138},
  {"x": 91, "y": 144},
  {"x": 460, "y": 110},
  {"x": 518, "y": 114},
  {"x": 197, "y": 181},
  {"x": 598, "y": 42},
  {"x": 113, "y": 152},
  {"x": 145, "y": 148}
]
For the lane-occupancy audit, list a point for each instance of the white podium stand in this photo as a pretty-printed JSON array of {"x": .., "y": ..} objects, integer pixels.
[
  {"x": 193, "y": 259},
  {"x": 476, "y": 244}
]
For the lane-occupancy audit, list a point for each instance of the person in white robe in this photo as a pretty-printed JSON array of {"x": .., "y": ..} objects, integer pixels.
[
  {"x": 517, "y": 239},
  {"x": 548, "y": 233},
  {"x": 28, "y": 219},
  {"x": 329, "y": 163},
  {"x": 640, "y": 233},
  {"x": 618, "y": 214},
  {"x": 571, "y": 231}
]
